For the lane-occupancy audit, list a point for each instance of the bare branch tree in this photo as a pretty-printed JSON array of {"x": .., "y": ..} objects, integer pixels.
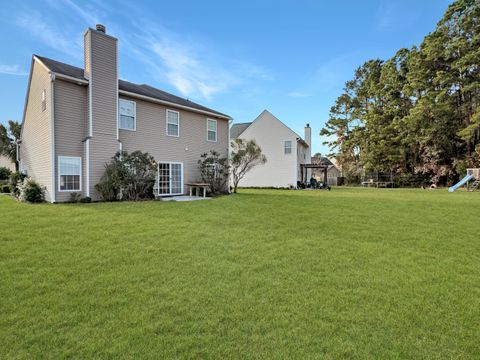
[{"x": 245, "y": 156}]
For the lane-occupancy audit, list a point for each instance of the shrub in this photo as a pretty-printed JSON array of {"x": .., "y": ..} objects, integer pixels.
[
  {"x": 214, "y": 171},
  {"x": 30, "y": 191},
  {"x": 75, "y": 197},
  {"x": 5, "y": 173},
  {"x": 5, "y": 189},
  {"x": 128, "y": 177},
  {"x": 16, "y": 179},
  {"x": 86, "y": 200}
]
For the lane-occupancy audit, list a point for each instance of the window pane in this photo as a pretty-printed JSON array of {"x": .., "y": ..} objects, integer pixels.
[
  {"x": 127, "y": 108},
  {"x": 127, "y": 122},
  {"x": 172, "y": 117},
  {"x": 212, "y": 125},
  {"x": 288, "y": 147},
  {"x": 172, "y": 129},
  {"x": 70, "y": 182},
  {"x": 69, "y": 166},
  {"x": 212, "y": 136}
]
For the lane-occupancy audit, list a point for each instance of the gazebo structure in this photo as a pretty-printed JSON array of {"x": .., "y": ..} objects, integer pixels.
[{"x": 304, "y": 169}]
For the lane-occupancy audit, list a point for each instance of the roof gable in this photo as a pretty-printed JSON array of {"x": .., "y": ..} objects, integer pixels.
[{"x": 267, "y": 115}]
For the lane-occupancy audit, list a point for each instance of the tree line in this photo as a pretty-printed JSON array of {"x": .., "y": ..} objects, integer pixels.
[{"x": 416, "y": 114}]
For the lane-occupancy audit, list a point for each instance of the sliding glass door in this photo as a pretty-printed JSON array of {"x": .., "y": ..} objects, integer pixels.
[{"x": 170, "y": 178}]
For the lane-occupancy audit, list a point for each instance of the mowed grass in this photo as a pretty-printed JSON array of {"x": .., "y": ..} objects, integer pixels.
[{"x": 351, "y": 273}]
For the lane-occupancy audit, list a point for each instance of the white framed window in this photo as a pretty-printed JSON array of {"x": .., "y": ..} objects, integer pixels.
[
  {"x": 69, "y": 173},
  {"x": 173, "y": 123},
  {"x": 211, "y": 130},
  {"x": 127, "y": 113},
  {"x": 287, "y": 147}
]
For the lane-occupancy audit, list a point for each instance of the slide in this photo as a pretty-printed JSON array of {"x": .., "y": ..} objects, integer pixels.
[{"x": 460, "y": 183}]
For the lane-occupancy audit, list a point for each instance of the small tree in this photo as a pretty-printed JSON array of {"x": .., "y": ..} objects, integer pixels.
[
  {"x": 4, "y": 173},
  {"x": 245, "y": 156},
  {"x": 30, "y": 191},
  {"x": 8, "y": 140},
  {"x": 129, "y": 176},
  {"x": 214, "y": 171}
]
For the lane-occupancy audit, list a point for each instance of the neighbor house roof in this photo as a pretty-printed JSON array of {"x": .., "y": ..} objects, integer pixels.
[
  {"x": 237, "y": 129},
  {"x": 321, "y": 160},
  {"x": 143, "y": 89}
]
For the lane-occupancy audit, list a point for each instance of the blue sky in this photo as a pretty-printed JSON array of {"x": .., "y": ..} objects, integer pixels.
[{"x": 239, "y": 57}]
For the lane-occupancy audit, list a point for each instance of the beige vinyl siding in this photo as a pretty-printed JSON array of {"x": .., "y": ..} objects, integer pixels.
[
  {"x": 70, "y": 129},
  {"x": 35, "y": 148},
  {"x": 104, "y": 87},
  {"x": 150, "y": 136},
  {"x": 6, "y": 162}
]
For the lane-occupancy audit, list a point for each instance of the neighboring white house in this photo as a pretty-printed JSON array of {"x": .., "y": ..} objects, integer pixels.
[{"x": 285, "y": 151}]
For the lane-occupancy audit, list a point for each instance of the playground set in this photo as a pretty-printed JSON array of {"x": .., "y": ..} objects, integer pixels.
[{"x": 472, "y": 175}]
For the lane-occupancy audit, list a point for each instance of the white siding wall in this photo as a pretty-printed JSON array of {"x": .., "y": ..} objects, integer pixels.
[{"x": 280, "y": 169}]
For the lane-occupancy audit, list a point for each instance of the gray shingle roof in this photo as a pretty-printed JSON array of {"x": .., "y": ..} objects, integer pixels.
[
  {"x": 321, "y": 160},
  {"x": 143, "y": 89},
  {"x": 237, "y": 129}
]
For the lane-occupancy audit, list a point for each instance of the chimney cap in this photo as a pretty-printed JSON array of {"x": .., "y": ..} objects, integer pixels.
[
  {"x": 308, "y": 125},
  {"x": 101, "y": 28}
]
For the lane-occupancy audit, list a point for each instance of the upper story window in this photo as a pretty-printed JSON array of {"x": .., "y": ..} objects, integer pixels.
[
  {"x": 287, "y": 147},
  {"x": 44, "y": 99},
  {"x": 173, "y": 123},
  {"x": 127, "y": 114},
  {"x": 212, "y": 130},
  {"x": 69, "y": 173}
]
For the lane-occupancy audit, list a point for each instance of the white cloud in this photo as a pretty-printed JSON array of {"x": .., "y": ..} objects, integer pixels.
[
  {"x": 88, "y": 15},
  {"x": 57, "y": 39},
  {"x": 299, "y": 94},
  {"x": 189, "y": 64},
  {"x": 12, "y": 70}
]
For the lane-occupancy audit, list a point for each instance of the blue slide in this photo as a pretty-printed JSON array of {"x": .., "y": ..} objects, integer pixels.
[{"x": 460, "y": 183}]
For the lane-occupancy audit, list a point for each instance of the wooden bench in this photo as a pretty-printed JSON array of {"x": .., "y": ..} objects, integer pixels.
[{"x": 197, "y": 187}]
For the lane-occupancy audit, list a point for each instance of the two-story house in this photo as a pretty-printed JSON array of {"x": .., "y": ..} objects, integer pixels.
[
  {"x": 285, "y": 150},
  {"x": 76, "y": 119}
]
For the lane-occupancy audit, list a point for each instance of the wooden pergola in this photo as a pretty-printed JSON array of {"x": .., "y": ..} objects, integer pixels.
[{"x": 304, "y": 169}]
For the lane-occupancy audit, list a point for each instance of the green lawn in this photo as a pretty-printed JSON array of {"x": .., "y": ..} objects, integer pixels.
[{"x": 351, "y": 273}]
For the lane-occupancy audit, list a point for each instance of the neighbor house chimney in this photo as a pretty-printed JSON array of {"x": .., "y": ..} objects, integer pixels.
[
  {"x": 308, "y": 155},
  {"x": 308, "y": 135},
  {"x": 101, "y": 70}
]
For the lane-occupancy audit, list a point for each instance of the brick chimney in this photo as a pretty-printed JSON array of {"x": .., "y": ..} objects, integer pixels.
[{"x": 101, "y": 70}]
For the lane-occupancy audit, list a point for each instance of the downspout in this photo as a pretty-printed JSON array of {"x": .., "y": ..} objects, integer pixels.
[
  {"x": 90, "y": 123},
  {"x": 228, "y": 156},
  {"x": 52, "y": 124}
]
